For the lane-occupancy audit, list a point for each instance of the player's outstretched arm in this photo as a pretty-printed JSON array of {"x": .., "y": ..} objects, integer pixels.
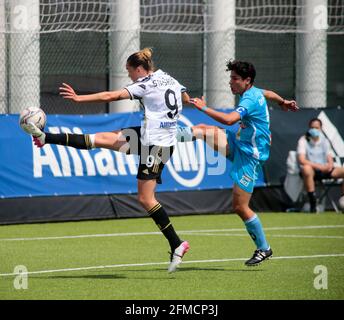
[
  {"x": 283, "y": 103},
  {"x": 224, "y": 118},
  {"x": 185, "y": 98},
  {"x": 67, "y": 92}
]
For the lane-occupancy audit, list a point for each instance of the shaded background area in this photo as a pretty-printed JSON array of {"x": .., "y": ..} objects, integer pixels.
[{"x": 81, "y": 59}]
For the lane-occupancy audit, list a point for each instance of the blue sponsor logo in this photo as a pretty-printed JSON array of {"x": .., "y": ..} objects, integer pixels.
[{"x": 167, "y": 124}]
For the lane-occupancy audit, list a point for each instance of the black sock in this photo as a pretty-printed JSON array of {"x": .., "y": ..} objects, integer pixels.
[
  {"x": 79, "y": 141},
  {"x": 160, "y": 217},
  {"x": 312, "y": 201}
]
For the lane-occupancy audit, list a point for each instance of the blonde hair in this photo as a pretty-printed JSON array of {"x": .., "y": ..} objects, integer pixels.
[{"x": 142, "y": 58}]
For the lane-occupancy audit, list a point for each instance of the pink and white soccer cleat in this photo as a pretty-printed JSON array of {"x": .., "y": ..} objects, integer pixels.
[
  {"x": 38, "y": 135},
  {"x": 177, "y": 255}
]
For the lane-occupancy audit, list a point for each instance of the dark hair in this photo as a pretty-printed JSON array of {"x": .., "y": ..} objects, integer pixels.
[
  {"x": 314, "y": 119},
  {"x": 142, "y": 58},
  {"x": 242, "y": 68}
]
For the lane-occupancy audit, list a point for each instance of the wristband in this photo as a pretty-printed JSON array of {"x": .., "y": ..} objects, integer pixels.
[{"x": 204, "y": 108}]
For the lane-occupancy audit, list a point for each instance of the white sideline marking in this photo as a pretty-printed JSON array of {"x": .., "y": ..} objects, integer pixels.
[
  {"x": 84, "y": 236},
  {"x": 268, "y": 235},
  {"x": 164, "y": 263},
  {"x": 159, "y": 233}
]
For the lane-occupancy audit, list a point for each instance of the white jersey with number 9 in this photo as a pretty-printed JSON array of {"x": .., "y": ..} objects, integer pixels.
[{"x": 160, "y": 96}]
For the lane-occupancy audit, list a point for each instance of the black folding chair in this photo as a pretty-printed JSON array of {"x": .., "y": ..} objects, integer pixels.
[{"x": 325, "y": 186}]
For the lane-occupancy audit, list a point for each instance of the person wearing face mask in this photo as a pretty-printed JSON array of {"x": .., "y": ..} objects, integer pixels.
[{"x": 316, "y": 160}]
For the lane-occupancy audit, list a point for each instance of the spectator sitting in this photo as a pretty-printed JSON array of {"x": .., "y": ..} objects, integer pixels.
[{"x": 316, "y": 161}]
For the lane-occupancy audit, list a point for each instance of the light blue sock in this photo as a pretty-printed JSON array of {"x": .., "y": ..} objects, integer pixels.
[{"x": 255, "y": 229}]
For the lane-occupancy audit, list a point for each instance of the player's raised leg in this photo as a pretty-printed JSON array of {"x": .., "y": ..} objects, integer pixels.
[
  {"x": 114, "y": 140},
  {"x": 214, "y": 136}
]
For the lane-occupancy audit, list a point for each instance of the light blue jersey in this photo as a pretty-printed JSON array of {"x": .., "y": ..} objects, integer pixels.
[
  {"x": 254, "y": 136},
  {"x": 250, "y": 146}
]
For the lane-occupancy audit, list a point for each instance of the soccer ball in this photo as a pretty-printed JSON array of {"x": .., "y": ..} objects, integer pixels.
[
  {"x": 341, "y": 203},
  {"x": 34, "y": 115}
]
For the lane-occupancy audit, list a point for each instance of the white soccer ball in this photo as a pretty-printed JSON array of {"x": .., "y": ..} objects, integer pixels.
[
  {"x": 34, "y": 115},
  {"x": 341, "y": 203}
]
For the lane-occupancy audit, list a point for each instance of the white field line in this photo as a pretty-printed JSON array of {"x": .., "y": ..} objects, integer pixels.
[
  {"x": 268, "y": 235},
  {"x": 165, "y": 263},
  {"x": 159, "y": 233}
]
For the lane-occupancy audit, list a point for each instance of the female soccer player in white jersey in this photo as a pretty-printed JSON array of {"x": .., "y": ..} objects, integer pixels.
[{"x": 161, "y": 98}]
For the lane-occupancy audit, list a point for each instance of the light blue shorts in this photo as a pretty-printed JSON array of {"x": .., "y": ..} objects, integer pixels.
[{"x": 245, "y": 168}]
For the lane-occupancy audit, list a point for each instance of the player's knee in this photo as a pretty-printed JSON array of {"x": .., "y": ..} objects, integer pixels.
[
  {"x": 100, "y": 138},
  {"x": 145, "y": 201},
  {"x": 141, "y": 198},
  {"x": 240, "y": 208},
  {"x": 106, "y": 139},
  {"x": 236, "y": 208}
]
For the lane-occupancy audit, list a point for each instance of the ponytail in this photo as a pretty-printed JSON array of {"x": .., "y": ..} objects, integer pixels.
[{"x": 142, "y": 58}]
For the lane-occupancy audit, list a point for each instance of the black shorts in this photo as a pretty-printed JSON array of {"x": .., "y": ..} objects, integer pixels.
[
  {"x": 319, "y": 175},
  {"x": 152, "y": 159}
]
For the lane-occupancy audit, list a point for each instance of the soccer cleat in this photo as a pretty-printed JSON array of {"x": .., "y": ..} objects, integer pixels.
[
  {"x": 37, "y": 142},
  {"x": 37, "y": 134},
  {"x": 177, "y": 255},
  {"x": 258, "y": 257}
]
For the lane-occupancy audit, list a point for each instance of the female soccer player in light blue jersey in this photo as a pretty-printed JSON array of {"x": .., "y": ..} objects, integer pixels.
[{"x": 248, "y": 149}]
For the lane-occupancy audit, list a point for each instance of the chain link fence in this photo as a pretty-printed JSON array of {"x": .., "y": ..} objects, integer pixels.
[{"x": 72, "y": 46}]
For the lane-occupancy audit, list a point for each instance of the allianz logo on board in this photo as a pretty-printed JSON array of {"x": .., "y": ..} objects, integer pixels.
[{"x": 187, "y": 165}]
